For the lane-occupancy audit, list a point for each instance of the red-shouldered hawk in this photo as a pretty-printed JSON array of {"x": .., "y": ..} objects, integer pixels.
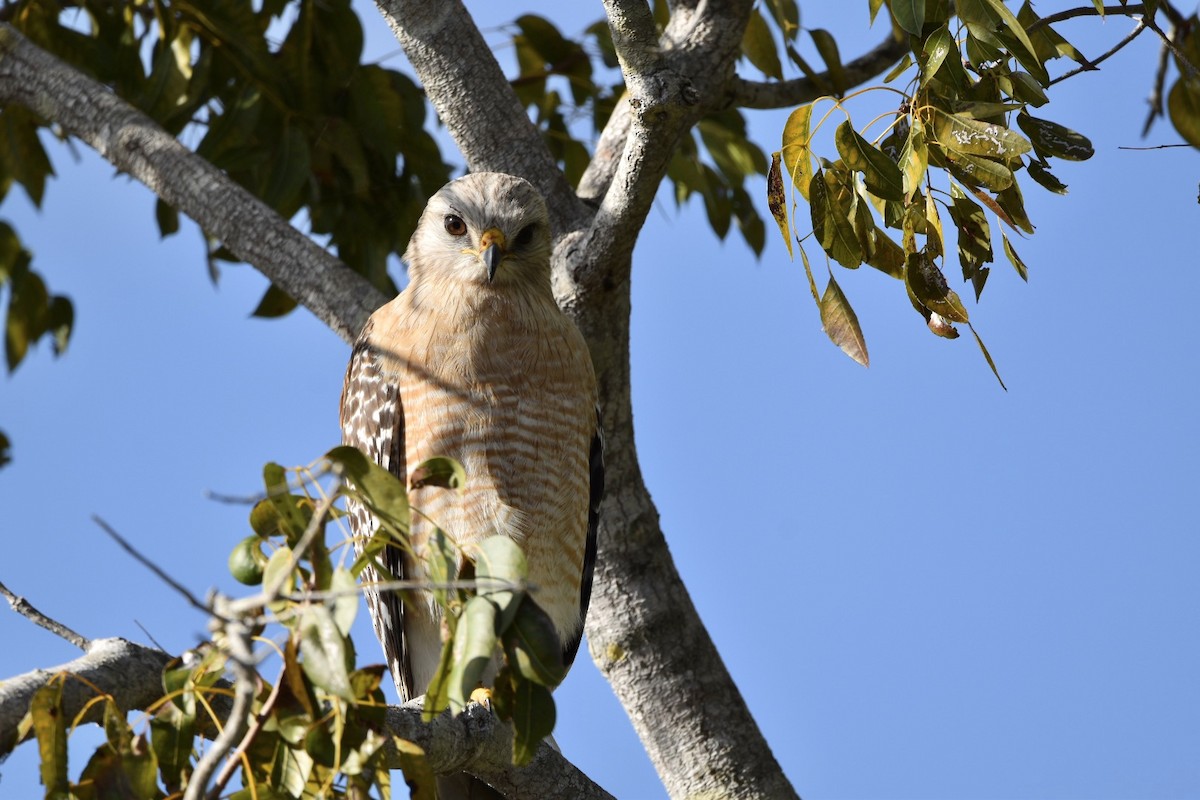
[{"x": 474, "y": 360}]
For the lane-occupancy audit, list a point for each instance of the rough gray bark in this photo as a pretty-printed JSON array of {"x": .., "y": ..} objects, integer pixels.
[{"x": 643, "y": 629}]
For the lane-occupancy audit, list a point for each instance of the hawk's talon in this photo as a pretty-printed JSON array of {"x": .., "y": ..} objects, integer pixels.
[{"x": 483, "y": 696}]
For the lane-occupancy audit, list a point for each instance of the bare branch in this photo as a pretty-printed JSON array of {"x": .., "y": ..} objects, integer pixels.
[
  {"x": 635, "y": 36},
  {"x": 474, "y": 99},
  {"x": 233, "y": 636},
  {"x": 1086, "y": 11},
  {"x": 124, "y": 544},
  {"x": 1185, "y": 62},
  {"x": 131, "y": 673},
  {"x": 25, "y": 609},
  {"x": 133, "y": 142},
  {"x": 779, "y": 94}
]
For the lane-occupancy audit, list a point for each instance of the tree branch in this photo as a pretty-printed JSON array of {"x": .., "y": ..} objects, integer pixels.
[
  {"x": 133, "y": 143},
  {"x": 474, "y": 741},
  {"x": 25, "y": 609},
  {"x": 779, "y": 94},
  {"x": 474, "y": 99}
]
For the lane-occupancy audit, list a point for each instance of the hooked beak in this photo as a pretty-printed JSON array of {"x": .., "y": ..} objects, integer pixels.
[{"x": 491, "y": 250}]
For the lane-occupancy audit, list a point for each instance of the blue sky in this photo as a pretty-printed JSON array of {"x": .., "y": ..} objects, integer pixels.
[{"x": 924, "y": 586}]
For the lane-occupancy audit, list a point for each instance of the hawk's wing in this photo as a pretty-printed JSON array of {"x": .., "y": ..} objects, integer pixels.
[
  {"x": 595, "y": 495},
  {"x": 373, "y": 421}
]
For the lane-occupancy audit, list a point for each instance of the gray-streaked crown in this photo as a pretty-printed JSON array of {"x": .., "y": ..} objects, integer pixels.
[{"x": 483, "y": 200}]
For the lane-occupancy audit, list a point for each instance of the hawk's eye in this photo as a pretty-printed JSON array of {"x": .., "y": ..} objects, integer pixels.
[
  {"x": 455, "y": 225},
  {"x": 526, "y": 234}
]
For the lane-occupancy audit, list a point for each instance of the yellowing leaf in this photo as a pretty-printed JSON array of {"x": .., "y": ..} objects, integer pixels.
[
  {"x": 777, "y": 201},
  {"x": 759, "y": 46},
  {"x": 841, "y": 323},
  {"x": 797, "y": 157}
]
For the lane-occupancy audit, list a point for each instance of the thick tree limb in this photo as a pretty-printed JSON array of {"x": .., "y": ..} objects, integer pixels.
[
  {"x": 643, "y": 629},
  {"x": 134, "y": 144},
  {"x": 474, "y": 99},
  {"x": 779, "y": 94}
]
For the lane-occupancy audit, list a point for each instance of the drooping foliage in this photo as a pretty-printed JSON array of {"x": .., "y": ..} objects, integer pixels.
[{"x": 953, "y": 157}]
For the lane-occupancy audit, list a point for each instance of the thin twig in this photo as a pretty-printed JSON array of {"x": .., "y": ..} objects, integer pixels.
[
  {"x": 1153, "y": 147},
  {"x": 1092, "y": 65},
  {"x": 150, "y": 565},
  {"x": 22, "y": 607},
  {"x": 236, "y": 642},
  {"x": 149, "y": 636},
  {"x": 1185, "y": 63},
  {"x": 1085, "y": 11},
  {"x": 259, "y": 720}
]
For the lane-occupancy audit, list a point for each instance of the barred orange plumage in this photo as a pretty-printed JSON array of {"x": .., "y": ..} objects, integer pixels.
[{"x": 474, "y": 360}]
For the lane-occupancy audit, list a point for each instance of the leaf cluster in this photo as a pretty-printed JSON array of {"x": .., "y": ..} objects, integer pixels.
[
  {"x": 949, "y": 160},
  {"x": 274, "y": 93},
  {"x": 31, "y": 311},
  {"x": 317, "y": 729}
]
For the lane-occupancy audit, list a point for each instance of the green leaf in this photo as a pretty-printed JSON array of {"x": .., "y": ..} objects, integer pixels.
[
  {"x": 1045, "y": 178},
  {"x": 1047, "y": 43},
  {"x": 841, "y": 323},
  {"x": 1022, "y": 270},
  {"x": 326, "y": 659},
  {"x": 60, "y": 321},
  {"x": 880, "y": 174},
  {"x": 887, "y": 256},
  {"x": 976, "y": 171},
  {"x": 1183, "y": 106},
  {"x": 1013, "y": 203},
  {"x": 381, "y": 491},
  {"x": 797, "y": 157},
  {"x": 26, "y": 322},
  {"x": 1051, "y": 139},
  {"x": 759, "y": 46},
  {"x": 438, "y": 471},
  {"x": 914, "y": 158},
  {"x": 827, "y": 47},
  {"x": 972, "y": 137},
  {"x": 929, "y": 286},
  {"x": 500, "y": 569},
  {"x": 532, "y": 646},
  {"x": 275, "y": 303},
  {"x": 899, "y": 69},
  {"x": 832, "y": 204},
  {"x": 172, "y": 737},
  {"x": 474, "y": 643},
  {"x": 987, "y": 356},
  {"x": 991, "y": 22},
  {"x": 974, "y": 238},
  {"x": 418, "y": 775},
  {"x": 344, "y": 605},
  {"x": 533, "y": 719},
  {"x": 167, "y": 218},
  {"x": 50, "y": 727},
  {"x": 777, "y": 201},
  {"x": 909, "y": 15},
  {"x": 786, "y": 15}
]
